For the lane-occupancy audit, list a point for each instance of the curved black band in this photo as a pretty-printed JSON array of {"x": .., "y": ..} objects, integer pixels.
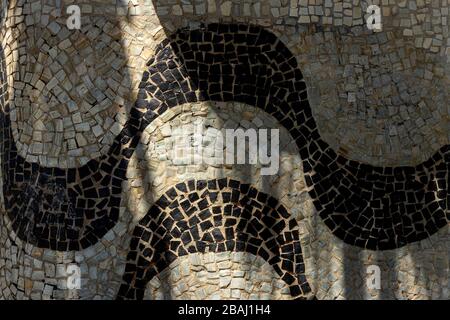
[
  {"x": 371, "y": 207},
  {"x": 214, "y": 216}
]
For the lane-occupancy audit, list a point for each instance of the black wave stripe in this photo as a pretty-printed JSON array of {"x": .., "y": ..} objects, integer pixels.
[
  {"x": 214, "y": 216},
  {"x": 66, "y": 209},
  {"x": 371, "y": 207}
]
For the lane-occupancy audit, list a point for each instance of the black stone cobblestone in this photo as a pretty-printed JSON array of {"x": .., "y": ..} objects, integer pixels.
[
  {"x": 371, "y": 207},
  {"x": 263, "y": 231}
]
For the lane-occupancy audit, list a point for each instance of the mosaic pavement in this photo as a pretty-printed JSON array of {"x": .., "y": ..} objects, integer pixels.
[{"x": 74, "y": 136}]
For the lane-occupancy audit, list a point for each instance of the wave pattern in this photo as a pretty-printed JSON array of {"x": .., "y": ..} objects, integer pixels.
[
  {"x": 214, "y": 216},
  {"x": 371, "y": 207}
]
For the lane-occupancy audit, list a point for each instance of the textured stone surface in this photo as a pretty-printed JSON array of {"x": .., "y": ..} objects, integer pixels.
[
  {"x": 377, "y": 98},
  {"x": 215, "y": 276}
]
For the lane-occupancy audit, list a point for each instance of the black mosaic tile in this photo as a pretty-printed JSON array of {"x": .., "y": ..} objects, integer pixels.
[
  {"x": 224, "y": 231},
  {"x": 356, "y": 201},
  {"x": 372, "y": 207}
]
